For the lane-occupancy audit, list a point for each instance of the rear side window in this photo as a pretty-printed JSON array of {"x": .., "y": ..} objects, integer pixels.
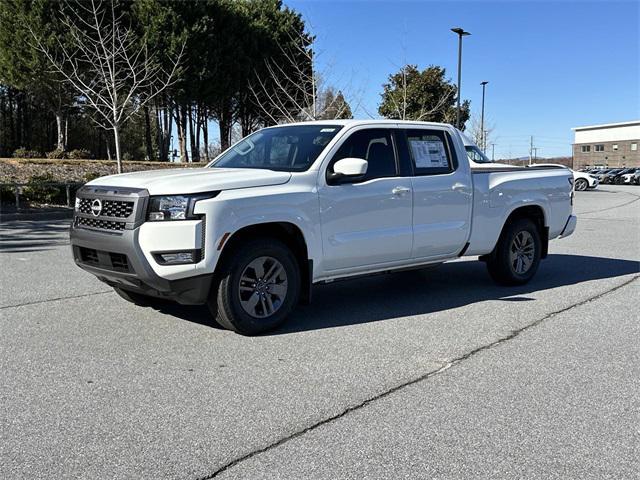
[
  {"x": 373, "y": 145},
  {"x": 429, "y": 152}
]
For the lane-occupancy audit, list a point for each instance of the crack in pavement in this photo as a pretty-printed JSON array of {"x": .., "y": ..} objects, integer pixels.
[
  {"x": 55, "y": 299},
  {"x": 421, "y": 378}
]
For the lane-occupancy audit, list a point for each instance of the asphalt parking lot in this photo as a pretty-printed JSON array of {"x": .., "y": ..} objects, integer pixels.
[{"x": 426, "y": 374}]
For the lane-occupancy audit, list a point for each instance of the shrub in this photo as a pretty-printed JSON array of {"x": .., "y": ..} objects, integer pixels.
[
  {"x": 127, "y": 157},
  {"x": 24, "y": 153},
  {"x": 91, "y": 176},
  {"x": 57, "y": 154},
  {"x": 38, "y": 191},
  {"x": 7, "y": 194},
  {"x": 79, "y": 154}
]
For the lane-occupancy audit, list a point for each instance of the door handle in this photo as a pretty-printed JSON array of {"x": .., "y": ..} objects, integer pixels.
[{"x": 400, "y": 190}]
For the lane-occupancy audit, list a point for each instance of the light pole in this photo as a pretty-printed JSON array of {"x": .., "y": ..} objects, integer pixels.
[
  {"x": 461, "y": 33},
  {"x": 484, "y": 144}
]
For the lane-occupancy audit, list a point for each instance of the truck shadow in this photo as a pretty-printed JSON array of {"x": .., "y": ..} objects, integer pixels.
[
  {"x": 33, "y": 235},
  {"x": 419, "y": 292}
]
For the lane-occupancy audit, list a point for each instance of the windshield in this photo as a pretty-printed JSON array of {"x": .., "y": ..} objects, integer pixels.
[
  {"x": 291, "y": 148},
  {"x": 476, "y": 155}
]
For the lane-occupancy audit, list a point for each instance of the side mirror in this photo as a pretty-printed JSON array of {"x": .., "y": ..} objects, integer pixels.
[{"x": 348, "y": 170}]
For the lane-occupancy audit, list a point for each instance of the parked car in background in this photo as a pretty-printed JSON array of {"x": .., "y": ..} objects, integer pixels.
[
  {"x": 610, "y": 176},
  {"x": 601, "y": 173},
  {"x": 581, "y": 180},
  {"x": 628, "y": 177},
  {"x": 477, "y": 158},
  {"x": 636, "y": 177}
]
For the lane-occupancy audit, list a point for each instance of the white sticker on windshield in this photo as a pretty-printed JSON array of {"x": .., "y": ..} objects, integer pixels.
[
  {"x": 429, "y": 154},
  {"x": 327, "y": 130}
]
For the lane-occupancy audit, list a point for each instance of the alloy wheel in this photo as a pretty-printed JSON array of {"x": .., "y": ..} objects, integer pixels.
[
  {"x": 263, "y": 287},
  {"x": 522, "y": 252}
]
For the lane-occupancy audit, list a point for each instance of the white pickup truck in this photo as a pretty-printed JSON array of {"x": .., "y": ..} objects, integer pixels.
[{"x": 295, "y": 205}]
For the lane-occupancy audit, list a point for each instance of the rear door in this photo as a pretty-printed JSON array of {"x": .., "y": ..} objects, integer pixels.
[
  {"x": 367, "y": 222},
  {"x": 442, "y": 192}
]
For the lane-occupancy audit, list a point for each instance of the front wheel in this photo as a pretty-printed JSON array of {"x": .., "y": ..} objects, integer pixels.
[
  {"x": 259, "y": 286},
  {"x": 581, "y": 185},
  {"x": 516, "y": 257}
]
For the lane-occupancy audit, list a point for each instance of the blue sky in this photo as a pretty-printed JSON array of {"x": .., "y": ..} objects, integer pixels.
[{"x": 550, "y": 65}]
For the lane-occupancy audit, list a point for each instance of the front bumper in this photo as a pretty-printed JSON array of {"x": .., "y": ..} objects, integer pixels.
[
  {"x": 117, "y": 260},
  {"x": 569, "y": 227},
  {"x": 115, "y": 244}
]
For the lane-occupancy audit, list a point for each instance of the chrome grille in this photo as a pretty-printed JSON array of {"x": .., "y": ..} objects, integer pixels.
[
  {"x": 110, "y": 208},
  {"x": 100, "y": 224}
]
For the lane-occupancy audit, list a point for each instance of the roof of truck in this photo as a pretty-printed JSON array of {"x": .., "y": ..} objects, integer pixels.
[{"x": 354, "y": 122}]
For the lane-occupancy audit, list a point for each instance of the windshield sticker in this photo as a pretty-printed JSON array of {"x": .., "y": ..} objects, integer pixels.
[{"x": 327, "y": 130}]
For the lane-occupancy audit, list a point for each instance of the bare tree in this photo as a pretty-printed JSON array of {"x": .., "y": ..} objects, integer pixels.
[
  {"x": 109, "y": 65},
  {"x": 291, "y": 89},
  {"x": 482, "y": 139}
]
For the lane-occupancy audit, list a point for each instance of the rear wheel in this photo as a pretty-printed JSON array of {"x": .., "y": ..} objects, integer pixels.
[
  {"x": 516, "y": 257},
  {"x": 258, "y": 287},
  {"x": 581, "y": 185}
]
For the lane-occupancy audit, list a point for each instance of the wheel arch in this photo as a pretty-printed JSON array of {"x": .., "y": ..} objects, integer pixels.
[
  {"x": 288, "y": 233},
  {"x": 537, "y": 214}
]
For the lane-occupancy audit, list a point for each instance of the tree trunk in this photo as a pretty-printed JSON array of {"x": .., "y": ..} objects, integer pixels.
[
  {"x": 157, "y": 118},
  {"x": 224, "y": 123},
  {"x": 59, "y": 126},
  {"x": 108, "y": 147},
  {"x": 195, "y": 157},
  {"x": 116, "y": 139},
  {"x": 147, "y": 134},
  {"x": 198, "y": 125},
  {"x": 181, "y": 125},
  {"x": 205, "y": 134}
]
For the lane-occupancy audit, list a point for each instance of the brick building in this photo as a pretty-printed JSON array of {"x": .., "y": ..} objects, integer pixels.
[{"x": 612, "y": 144}]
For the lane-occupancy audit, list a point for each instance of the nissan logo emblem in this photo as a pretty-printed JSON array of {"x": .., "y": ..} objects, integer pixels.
[{"x": 96, "y": 207}]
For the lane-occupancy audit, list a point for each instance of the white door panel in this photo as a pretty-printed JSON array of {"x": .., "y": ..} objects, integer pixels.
[
  {"x": 442, "y": 194},
  {"x": 366, "y": 223},
  {"x": 441, "y": 214}
]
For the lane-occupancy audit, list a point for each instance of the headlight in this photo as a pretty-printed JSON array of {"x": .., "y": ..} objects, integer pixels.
[{"x": 174, "y": 207}]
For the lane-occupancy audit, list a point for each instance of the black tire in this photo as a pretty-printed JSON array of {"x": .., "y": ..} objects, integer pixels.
[
  {"x": 581, "y": 185},
  {"x": 228, "y": 301},
  {"x": 501, "y": 264},
  {"x": 134, "y": 297}
]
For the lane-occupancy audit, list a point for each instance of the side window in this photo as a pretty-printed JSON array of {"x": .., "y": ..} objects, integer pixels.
[
  {"x": 373, "y": 145},
  {"x": 429, "y": 152}
]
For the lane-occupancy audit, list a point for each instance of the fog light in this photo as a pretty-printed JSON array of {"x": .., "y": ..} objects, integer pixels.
[{"x": 177, "y": 258}]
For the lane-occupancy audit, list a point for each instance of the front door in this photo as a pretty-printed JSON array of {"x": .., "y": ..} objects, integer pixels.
[{"x": 368, "y": 222}]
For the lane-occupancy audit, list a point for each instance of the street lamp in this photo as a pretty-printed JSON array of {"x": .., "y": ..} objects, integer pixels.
[
  {"x": 484, "y": 144},
  {"x": 461, "y": 33}
]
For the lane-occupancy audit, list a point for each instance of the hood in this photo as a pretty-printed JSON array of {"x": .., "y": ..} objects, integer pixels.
[{"x": 194, "y": 180}]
